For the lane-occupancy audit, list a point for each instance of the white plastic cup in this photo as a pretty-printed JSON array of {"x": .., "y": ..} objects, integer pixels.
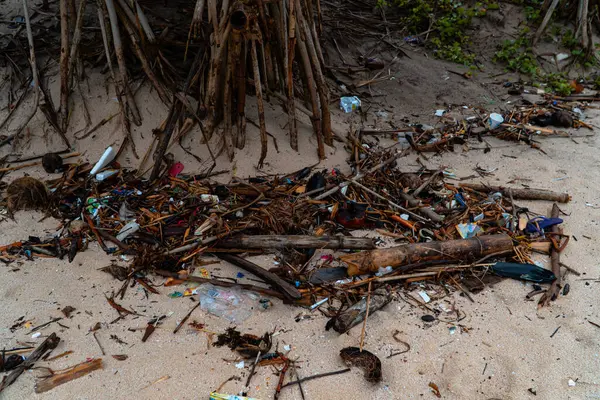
[{"x": 495, "y": 120}]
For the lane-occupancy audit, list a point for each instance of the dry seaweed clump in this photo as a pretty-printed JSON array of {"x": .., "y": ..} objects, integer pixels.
[{"x": 26, "y": 193}]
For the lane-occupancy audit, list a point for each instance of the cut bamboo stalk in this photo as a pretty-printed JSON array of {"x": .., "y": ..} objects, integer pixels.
[{"x": 260, "y": 105}]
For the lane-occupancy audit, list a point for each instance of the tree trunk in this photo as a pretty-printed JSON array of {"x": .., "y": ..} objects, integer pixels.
[
  {"x": 520, "y": 194},
  {"x": 454, "y": 251}
]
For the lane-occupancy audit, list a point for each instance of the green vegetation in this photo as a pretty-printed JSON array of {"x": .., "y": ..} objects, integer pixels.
[
  {"x": 518, "y": 55},
  {"x": 447, "y": 22}
]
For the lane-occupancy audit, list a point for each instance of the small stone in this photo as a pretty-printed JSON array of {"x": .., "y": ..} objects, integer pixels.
[{"x": 428, "y": 318}]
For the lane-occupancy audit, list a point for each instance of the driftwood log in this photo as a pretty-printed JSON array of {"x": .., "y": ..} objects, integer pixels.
[
  {"x": 296, "y": 242},
  {"x": 275, "y": 281},
  {"x": 520, "y": 194},
  {"x": 454, "y": 251}
]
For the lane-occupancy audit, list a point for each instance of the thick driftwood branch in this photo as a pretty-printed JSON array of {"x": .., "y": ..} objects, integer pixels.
[
  {"x": 451, "y": 250},
  {"x": 275, "y": 281},
  {"x": 297, "y": 242},
  {"x": 521, "y": 194}
]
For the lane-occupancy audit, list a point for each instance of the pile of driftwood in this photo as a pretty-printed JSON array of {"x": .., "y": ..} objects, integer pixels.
[{"x": 216, "y": 55}]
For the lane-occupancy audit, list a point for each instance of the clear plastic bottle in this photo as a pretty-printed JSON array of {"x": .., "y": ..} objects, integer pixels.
[{"x": 349, "y": 103}]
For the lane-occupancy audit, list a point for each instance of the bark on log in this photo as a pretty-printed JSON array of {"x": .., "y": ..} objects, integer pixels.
[
  {"x": 297, "y": 242},
  {"x": 452, "y": 250},
  {"x": 521, "y": 194},
  {"x": 275, "y": 281}
]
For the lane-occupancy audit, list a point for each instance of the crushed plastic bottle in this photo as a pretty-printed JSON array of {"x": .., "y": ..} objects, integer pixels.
[
  {"x": 349, "y": 103},
  {"x": 232, "y": 304}
]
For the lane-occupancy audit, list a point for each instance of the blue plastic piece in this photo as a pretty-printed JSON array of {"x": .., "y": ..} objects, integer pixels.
[
  {"x": 540, "y": 224},
  {"x": 526, "y": 272}
]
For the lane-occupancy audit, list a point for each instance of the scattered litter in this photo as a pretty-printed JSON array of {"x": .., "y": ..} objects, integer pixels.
[
  {"x": 424, "y": 296},
  {"x": 350, "y": 104}
]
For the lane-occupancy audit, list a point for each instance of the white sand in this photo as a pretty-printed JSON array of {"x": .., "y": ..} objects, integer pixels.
[{"x": 503, "y": 348}]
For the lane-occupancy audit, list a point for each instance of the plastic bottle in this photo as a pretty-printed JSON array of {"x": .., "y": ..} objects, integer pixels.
[
  {"x": 349, "y": 103},
  {"x": 107, "y": 157}
]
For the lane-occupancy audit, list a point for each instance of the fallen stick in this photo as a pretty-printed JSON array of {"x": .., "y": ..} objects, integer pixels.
[
  {"x": 452, "y": 250},
  {"x": 552, "y": 293},
  {"x": 532, "y": 128},
  {"x": 74, "y": 372},
  {"x": 296, "y": 241},
  {"x": 49, "y": 344},
  {"x": 275, "y": 281},
  {"x": 309, "y": 378},
  {"x": 520, "y": 194},
  {"x": 187, "y": 316},
  {"x": 32, "y": 164}
]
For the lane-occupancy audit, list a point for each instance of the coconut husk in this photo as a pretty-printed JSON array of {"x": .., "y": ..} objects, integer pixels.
[{"x": 26, "y": 193}]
